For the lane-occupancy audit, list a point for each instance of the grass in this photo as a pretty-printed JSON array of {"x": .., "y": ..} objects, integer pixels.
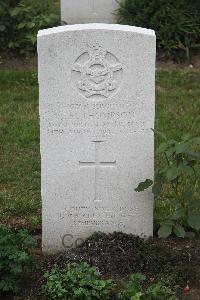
[
  {"x": 19, "y": 140},
  {"x": 177, "y": 112}
]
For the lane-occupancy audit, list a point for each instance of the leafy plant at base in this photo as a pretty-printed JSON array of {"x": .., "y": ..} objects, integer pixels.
[
  {"x": 134, "y": 290},
  {"x": 15, "y": 258},
  {"x": 159, "y": 291},
  {"x": 176, "y": 23},
  {"x": 19, "y": 25},
  {"x": 77, "y": 281},
  {"x": 181, "y": 175}
]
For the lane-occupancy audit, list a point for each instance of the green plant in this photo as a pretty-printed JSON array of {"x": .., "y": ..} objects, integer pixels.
[
  {"x": 19, "y": 24},
  {"x": 159, "y": 291},
  {"x": 77, "y": 281},
  {"x": 134, "y": 290},
  {"x": 176, "y": 23},
  {"x": 178, "y": 180},
  {"x": 15, "y": 257}
]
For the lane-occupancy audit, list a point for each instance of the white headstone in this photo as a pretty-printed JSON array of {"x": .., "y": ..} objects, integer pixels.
[
  {"x": 96, "y": 113},
  {"x": 89, "y": 11}
]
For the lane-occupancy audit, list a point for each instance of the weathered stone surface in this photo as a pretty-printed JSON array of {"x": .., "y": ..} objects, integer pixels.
[
  {"x": 88, "y": 11},
  {"x": 96, "y": 113}
]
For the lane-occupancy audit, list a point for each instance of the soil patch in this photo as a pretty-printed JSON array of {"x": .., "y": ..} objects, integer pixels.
[
  {"x": 118, "y": 255},
  {"x": 12, "y": 62}
]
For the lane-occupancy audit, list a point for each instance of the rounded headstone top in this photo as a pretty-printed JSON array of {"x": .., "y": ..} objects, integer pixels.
[{"x": 96, "y": 26}]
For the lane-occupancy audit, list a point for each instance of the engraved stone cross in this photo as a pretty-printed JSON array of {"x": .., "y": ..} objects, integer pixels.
[{"x": 97, "y": 164}]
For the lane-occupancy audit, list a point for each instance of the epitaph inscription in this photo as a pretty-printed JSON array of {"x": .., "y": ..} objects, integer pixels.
[{"x": 97, "y": 73}]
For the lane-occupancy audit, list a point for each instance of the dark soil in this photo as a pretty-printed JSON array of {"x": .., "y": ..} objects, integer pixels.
[
  {"x": 13, "y": 62},
  {"x": 118, "y": 255}
]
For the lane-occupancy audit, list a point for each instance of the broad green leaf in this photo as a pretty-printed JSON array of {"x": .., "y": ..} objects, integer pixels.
[
  {"x": 170, "y": 152},
  {"x": 179, "y": 231},
  {"x": 194, "y": 221},
  {"x": 186, "y": 169},
  {"x": 164, "y": 231},
  {"x": 21, "y": 25},
  {"x": 185, "y": 137},
  {"x": 162, "y": 148},
  {"x": 180, "y": 148},
  {"x": 195, "y": 204},
  {"x": 137, "y": 296},
  {"x": 31, "y": 25},
  {"x": 193, "y": 154},
  {"x": 15, "y": 11},
  {"x": 32, "y": 38},
  {"x": 144, "y": 185},
  {"x": 178, "y": 214},
  {"x": 196, "y": 140},
  {"x": 172, "y": 172}
]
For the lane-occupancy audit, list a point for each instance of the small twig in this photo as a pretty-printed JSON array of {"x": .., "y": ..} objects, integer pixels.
[{"x": 121, "y": 249}]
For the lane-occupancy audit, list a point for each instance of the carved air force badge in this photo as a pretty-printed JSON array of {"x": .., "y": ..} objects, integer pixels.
[{"x": 97, "y": 73}]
